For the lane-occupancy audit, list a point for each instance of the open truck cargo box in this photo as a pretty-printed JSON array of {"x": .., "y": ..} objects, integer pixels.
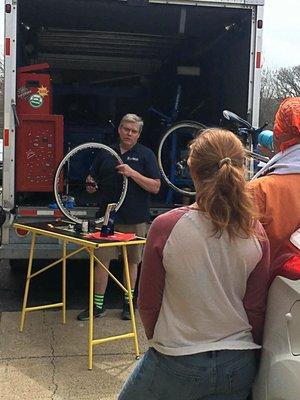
[{"x": 107, "y": 58}]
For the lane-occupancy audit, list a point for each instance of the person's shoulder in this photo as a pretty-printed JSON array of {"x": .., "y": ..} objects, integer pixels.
[
  {"x": 115, "y": 146},
  {"x": 261, "y": 236},
  {"x": 141, "y": 148},
  {"x": 268, "y": 182},
  {"x": 259, "y": 230},
  {"x": 104, "y": 152},
  {"x": 169, "y": 218},
  {"x": 262, "y": 182}
]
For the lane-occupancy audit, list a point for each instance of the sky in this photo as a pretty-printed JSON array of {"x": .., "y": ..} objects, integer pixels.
[{"x": 281, "y": 36}]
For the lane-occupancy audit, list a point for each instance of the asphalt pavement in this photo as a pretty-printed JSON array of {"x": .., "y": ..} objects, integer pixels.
[
  {"x": 48, "y": 360},
  {"x": 46, "y": 288}
]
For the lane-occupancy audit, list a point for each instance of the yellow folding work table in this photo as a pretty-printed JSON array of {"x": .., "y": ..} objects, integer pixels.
[{"x": 55, "y": 230}]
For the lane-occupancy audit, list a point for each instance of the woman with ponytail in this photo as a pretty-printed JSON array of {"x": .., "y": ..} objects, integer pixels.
[{"x": 203, "y": 285}]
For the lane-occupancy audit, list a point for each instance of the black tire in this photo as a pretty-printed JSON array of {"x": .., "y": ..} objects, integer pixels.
[{"x": 196, "y": 126}]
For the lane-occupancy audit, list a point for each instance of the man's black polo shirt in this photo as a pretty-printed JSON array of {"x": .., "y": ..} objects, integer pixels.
[{"x": 135, "y": 208}]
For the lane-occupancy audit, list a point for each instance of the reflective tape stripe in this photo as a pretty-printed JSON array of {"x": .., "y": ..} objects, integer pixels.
[
  {"x": 34, "y": 213},
  {"x": 55, "y": 213},
  {"x": 7, "y": 46},
  {"x": 258, "y": 59},
  {"x": 6, "y": 137}
]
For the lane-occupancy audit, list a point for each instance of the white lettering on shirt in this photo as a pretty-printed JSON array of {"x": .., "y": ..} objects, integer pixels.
[{"x": 132, "y": 159}]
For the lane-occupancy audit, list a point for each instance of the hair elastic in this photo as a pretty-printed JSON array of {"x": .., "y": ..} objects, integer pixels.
[{"x": 226, "y": 160}]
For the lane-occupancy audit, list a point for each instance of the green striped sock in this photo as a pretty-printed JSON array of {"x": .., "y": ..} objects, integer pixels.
[
  {"x": 98, "y": 300},
  {"x": 126, "y": 296}
]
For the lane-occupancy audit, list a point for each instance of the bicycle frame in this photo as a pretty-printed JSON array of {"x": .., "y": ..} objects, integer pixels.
[{"x": 244, "y": 130}]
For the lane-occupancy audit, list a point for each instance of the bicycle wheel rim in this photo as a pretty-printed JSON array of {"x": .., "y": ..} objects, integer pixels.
[
  {"x": 74, "y": 151},
  {"x": 184, "y": 124}
]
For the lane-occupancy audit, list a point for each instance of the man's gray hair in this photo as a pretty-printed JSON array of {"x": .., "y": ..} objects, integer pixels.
[{"x": 133, "y": 118}]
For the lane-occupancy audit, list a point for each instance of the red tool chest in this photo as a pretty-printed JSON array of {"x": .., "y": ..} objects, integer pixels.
[
  {"x": 34, "y": 90},
  {"x": 39, "y": 149},
  {"x": 39, "y": 141}
]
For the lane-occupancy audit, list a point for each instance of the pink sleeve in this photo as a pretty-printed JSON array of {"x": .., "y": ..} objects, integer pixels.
[
  {"x": 255, "y": 299},
  {"x": 152, "y": 279}
]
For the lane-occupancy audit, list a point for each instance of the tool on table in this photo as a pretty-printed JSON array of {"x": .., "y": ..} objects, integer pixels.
[{"x": 109, "y": 220}]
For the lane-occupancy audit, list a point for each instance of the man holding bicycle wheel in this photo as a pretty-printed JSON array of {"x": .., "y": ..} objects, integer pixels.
[{"x": 140, "y": 167}]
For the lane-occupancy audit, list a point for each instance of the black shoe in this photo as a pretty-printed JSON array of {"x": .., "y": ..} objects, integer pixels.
[
  {"x": 126, "y": 312},
  {"x": 98, "y": 312}
]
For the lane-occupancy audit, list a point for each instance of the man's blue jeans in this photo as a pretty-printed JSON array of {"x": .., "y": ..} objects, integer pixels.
[{"x": 214, "y": 375}]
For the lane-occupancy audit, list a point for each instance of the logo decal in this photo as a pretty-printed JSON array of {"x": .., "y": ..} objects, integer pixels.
[
  {"x": 43, "y": 91},
  {"x": 24, "y": 93},
  {"x": 36, "y": 101}
]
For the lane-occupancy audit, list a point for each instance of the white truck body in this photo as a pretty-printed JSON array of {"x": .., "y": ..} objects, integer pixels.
[
  {"x": 230, "y": 67},
  {"x": 278, "y": 376}
]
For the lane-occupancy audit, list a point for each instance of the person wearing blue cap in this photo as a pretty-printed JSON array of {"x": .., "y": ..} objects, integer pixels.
[{"x": 265, "y": 143}]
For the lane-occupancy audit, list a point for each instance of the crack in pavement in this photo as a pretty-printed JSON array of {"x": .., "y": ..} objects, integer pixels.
[
  {"x": 52, "y": 361},
  {"x": 121, "y": 353}
]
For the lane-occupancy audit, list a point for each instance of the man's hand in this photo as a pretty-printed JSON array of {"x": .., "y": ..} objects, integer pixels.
[
  {"x": 148, "y": 184},
  {"x": 124, "y": 169},
  {"x": 91, "y": 185}
]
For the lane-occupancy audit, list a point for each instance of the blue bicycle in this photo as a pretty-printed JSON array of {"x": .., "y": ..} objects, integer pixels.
[{"x": 173, "y": 150}]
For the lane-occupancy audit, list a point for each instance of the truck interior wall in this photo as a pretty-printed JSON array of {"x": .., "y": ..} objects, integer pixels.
[{"x": 108, "y": 58}]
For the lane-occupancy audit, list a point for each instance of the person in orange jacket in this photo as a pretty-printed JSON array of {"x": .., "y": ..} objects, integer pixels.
[{"x": 276, "y": 189}]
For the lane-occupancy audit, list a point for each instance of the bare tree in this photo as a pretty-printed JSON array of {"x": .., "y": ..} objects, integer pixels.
[
  {"x": 268, "y": 97},
  {"x": 288, "y": 82},
  {"x": 277, "y": 85},
  {"x": 268, "y": 87}
]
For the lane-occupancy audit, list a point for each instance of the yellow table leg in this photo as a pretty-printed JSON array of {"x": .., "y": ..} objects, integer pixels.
[
  {"x": 29, "y": 268},
  {"x": 91, "y": 311},
  {"x": 64, "y": 282},
  {"x": 131, "y": 308}
]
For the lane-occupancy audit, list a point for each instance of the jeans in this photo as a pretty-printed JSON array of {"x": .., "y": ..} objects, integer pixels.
[{"x": 214, "y": 375}]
